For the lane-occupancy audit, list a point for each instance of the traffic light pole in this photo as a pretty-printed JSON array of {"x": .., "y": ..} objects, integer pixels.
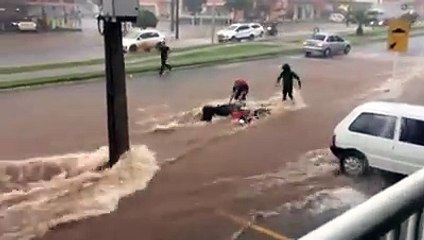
[{"x": 116, "y": 95}]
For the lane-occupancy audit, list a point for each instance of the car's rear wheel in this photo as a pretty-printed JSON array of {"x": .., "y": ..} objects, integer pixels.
[
  {"x": 307, "y": 54},
  {"x": 133, "y": 48},
  {"x": 252, "y": 37},
  {"x": 354, "y": 164},
  {"x": 346, "y": 51},
  {"x": 261, "y": 34},
  {"x": 327, "y": 52}
]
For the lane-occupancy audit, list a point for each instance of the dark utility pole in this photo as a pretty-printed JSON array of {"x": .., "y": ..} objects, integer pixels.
[
  {"x": 117, "y": 113},
  {"x": 177, "y": 19},
  {"x": 172, "y": 15}
]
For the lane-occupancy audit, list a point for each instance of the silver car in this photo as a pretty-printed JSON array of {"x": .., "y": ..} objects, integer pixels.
[{"x": 326, "y": 44}]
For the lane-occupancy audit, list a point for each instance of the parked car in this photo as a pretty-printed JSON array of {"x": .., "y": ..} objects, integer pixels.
[
  {"x": 382, "y": 135},
  {"x": 142, "y": 39},
  {"x": 236, "y": 32},
  {"x": 326, "y": 44},
  {"x": 25, "y": 25},
  {"x": 257, "y": 29},
  {"x": 337, "y": 17}
]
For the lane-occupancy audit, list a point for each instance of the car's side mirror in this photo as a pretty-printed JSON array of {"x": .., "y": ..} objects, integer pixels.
[{"x": 139, "y": 38}]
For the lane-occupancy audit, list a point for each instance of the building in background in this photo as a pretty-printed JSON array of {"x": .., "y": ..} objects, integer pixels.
[{"x": 55, "y": 14}]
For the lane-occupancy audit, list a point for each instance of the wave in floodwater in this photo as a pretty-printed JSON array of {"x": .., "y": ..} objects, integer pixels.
[
  {"x": 192, "y": 117},
  {"x": 39, "y": 193},
  {"x": 325, "y": 200}
]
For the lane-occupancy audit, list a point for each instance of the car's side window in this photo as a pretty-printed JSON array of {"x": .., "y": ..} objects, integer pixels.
[
  {"x": 242, "y": 28},
  {"x": 155, "y": 35},
  {"x": 339, "y": 39},
  {"x": 145, "y": 35},
  {"x": 373, "y": 124},
  {"x": 412, "y": 131},
  {"x": 330, "y": 39},
  {"x": 255, "y": 26}
]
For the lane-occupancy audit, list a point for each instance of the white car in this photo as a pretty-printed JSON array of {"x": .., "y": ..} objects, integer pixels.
[
  {"x": 382, "y": 135},
  {"x": 257, "y": 29},
  {"x": 142, "y": 39},
  {"x": 26, "y": 25},
  {"x": 337, "y": 18},
  {"x": 236, "y": 32}
]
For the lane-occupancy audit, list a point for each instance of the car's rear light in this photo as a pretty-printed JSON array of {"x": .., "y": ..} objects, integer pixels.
[{"x": 333, "y": 142}]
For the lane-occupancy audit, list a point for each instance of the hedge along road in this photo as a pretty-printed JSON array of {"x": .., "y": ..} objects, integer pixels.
[{"x": 204, "y": 56}]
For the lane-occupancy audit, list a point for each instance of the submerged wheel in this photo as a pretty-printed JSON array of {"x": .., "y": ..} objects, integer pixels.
[
  {"x": 354, "y": 164},
  {"x": 327, "y": 53},
  {"x": 346, "y": 50}
]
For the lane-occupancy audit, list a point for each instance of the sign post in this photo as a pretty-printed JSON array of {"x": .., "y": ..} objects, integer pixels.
[
  {"x": 398, "y": 40},
  {"x": 398, "y": 35}
]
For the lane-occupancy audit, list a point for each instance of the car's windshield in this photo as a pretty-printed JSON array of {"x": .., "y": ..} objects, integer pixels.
[
  {"x": 232, "y": 27},
  {"x": 132, "y": 34},
  {"x": 318, "y": 37}
]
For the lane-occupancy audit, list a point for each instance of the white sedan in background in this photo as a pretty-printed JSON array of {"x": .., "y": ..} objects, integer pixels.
[
  {"x": 145, "y": 39},
  {"x": 25, "y": 25}
]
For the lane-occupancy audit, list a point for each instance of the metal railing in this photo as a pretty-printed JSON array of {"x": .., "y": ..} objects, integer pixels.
[{"x": 392, "y": 214}]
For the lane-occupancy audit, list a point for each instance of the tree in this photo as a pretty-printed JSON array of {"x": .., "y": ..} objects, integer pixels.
[
  {"x": 146, "y": 19},
  {"x": 361, "y": 18},
  {"x": 244, "y": 5},
  {"x": 194, "y": 6}
]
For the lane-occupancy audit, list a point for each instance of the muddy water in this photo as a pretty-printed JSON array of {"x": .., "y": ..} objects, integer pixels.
[{"x": 41, "y": 192}]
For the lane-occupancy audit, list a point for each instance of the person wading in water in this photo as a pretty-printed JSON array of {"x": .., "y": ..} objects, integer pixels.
[{"x": 287, "y": 75}]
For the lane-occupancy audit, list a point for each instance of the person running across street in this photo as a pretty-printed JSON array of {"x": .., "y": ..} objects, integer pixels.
[{"x": 164, "y": 53}]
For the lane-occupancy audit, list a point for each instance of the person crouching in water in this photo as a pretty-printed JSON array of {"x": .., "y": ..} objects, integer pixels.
[
  {"x": 240, "y": 91},
  {"x": 287, "y": 75},
  {"x": 164, "y": 53}
]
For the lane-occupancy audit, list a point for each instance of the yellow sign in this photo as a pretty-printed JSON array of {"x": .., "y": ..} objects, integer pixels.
[{"x": 398, "y": 38}]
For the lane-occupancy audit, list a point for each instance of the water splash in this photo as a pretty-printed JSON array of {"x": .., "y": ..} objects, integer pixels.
[
  {"x": 192, "y": 117},
  {"x": 34, "y": 198}
]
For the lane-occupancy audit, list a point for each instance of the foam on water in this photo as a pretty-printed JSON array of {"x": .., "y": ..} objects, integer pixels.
[
  {"x": 312, "y": 164},
  {"x": 326, "y": 200},
  {"x": 40, "y": 193}
]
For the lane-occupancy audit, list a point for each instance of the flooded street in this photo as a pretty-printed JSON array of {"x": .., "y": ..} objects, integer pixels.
[{"x": 190, "y": 172}]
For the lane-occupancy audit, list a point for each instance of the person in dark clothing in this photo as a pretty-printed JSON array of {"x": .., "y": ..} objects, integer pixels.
[
  {"x": 287, "y": 75},
  {"x": 164, "y": 52},
  {"x": 240, "y": 90}
]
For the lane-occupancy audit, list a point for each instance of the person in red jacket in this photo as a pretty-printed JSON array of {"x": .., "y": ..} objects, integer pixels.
[{"x": 240, "y": 90}]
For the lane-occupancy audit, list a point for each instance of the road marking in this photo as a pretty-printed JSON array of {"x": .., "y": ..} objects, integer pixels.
[{"x": 249, "y": 224}]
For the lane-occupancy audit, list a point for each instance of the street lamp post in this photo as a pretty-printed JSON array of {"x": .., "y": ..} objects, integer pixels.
[
  {"x": 172, "y": 15},
  {"x": 213, "y": 22},
  {"x": 177, "y": 20}
]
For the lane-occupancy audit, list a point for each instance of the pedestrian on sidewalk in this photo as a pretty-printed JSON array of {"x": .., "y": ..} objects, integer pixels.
[
  {"x": 287, "y": 76},
  {"x": 164, "y": 53}
]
